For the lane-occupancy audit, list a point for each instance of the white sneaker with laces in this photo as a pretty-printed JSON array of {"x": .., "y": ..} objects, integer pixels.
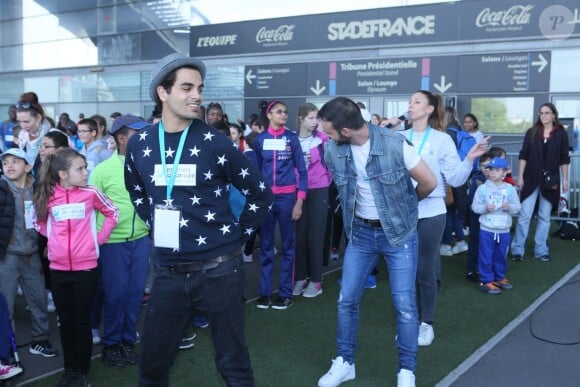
[
  {"x": 460, "y": 247},
  {"x": 426, "y": 334},
  {"x": 299, "y": 287},
  {"x": 339, "y": 372},
  {"x": 313, "y": 289},
  {"x": 405, "y": 378},
  {"x": 446, "y": 250}
]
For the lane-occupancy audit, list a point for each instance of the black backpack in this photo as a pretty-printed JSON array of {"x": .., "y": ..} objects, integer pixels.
[{"x": 570, "y": 229}]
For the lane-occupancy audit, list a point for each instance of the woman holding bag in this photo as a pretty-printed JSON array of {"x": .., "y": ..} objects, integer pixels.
[{"x": 543, "y": 156}]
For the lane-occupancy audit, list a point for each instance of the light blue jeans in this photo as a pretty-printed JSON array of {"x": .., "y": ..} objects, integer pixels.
[
  {"x": 542, "y": 228},
  {"x": 360, "y": 258}
]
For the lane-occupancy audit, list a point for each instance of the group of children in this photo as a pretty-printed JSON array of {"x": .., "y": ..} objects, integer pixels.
[{"x": 78, "y": 220}]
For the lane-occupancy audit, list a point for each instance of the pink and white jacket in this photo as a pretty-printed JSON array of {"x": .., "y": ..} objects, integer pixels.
[{"x": 71, "y": 227}]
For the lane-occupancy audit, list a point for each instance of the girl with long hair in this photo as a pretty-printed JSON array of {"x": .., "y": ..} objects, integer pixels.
[
  {"x": 65, "y": 215},
  {"x": 309, "y": 233}
]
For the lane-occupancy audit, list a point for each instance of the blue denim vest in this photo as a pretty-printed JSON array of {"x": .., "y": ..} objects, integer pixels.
[{"x": 389, "y": 179}]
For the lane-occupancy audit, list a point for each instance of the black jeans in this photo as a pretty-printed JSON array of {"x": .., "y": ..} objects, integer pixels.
[
  {"x": 175, "y": 299},
  {"x": 73, "y": 292}
]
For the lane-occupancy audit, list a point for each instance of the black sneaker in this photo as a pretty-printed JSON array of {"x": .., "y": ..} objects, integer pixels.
[
  {"x": 129, "y": 354},
  {"x": 517, "y": 257},
  {"x": 473, "y": 276},
  {"x": 264, "y": 302},
  {"x": 111, "y": 356},
  {"x": 66, "y": 378},
  {"x": 544, "y": 258},
  {"x": 186, "y": 344},
  {"x": 42, "y": 348},
  {"x": 80, "y": 379},
  {"x": 282, "y": 303}
]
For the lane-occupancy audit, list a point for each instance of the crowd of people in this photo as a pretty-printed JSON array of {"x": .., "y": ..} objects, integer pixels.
[{"x": 95, "y": 221}]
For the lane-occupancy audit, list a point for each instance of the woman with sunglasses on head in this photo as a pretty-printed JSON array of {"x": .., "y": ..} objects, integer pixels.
[
  {"x": 436, "y": 148},
  {"x": 280, "y": 157},
  {"x": 544, "y": 155},
  {"x": 30, "y": 116}
]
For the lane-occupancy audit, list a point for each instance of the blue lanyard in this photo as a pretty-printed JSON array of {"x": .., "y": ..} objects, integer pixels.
[
  {"x": 176, "y": 160},
  {"x": 422, "y": 141}
]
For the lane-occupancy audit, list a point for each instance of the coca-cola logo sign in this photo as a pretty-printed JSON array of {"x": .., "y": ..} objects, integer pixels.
[
  {"x": 276, "y": 36},
  {"x": 508, "y": 19}
]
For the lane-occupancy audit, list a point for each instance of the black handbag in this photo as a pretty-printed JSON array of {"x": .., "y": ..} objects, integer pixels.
[{"x": 551, "y": 181}]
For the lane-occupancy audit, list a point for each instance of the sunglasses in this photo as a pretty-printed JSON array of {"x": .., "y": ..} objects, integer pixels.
[{"x": 23, "y": 105}]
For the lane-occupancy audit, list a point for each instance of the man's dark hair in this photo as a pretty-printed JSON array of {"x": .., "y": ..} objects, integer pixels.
[
  {"x": 342, "y": 112},
  {"x": 167, "y": 83}
]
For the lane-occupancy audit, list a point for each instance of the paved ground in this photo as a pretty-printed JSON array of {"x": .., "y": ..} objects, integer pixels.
[{"x": 540, "y": 348}]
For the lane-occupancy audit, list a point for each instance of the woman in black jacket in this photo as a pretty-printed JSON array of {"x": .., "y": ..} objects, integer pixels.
[{"x": 543, "y": 160}]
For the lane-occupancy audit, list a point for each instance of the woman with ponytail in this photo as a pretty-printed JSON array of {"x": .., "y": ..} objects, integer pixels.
[
  {"x": 281, "y": 161},
  {"x": 35, "y": 125},
  {"x": 436, "y": 148},
  {"x": 65, "y": 208}
]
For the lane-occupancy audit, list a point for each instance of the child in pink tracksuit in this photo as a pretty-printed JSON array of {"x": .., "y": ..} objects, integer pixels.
[{"x": 65, "y": 214}]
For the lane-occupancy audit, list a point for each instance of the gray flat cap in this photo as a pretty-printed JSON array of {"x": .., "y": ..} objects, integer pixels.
[{"x": 167, "y": 65}]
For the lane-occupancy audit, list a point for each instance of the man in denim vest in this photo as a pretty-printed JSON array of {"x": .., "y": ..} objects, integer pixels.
[{"x": 372, "y": 168}]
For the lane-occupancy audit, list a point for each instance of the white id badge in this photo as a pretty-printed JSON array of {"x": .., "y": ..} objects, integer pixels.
[
  {"x": 166, "y": 227},
  {"x": 274, "y": 144},
  {"x": 28, "y": 214}
]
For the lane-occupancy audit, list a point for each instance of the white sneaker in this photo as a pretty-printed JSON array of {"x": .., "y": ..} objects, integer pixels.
[
  {"x": 248, "y": 258},
  {"x": 426, "y": 334},
  {"x": 299, "y": 287},
  {"x": 19, "y": 291},
  {"x": 339, "y": 372},
  {"x": 460, "y": 247},
  {"x": 313, "y": 289},
  {"x": 446, "y": 251},
  {"x": 466, "y": 230},
  {"x": 405, "y": 378},
  {"x": 50, "y": 302}
]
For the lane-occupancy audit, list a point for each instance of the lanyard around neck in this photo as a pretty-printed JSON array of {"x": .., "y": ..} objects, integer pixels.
[
  {"x": 171, "y": 181},
  {"x": 422, "y": 141}
]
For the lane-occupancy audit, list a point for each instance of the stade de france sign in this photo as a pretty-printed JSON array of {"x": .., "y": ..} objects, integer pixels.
[{"x": 445, "y": 23}]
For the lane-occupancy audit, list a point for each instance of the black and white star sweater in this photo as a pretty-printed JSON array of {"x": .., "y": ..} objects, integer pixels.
[{"x": 208, "y": 164}]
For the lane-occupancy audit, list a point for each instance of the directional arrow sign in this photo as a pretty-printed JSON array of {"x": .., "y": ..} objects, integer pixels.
[
  {"x": 541, "y": 63},
  {"x": 250, "y": 76},
  {"x": 442, "y": 86},
  {"x": 318, "y": 89}
]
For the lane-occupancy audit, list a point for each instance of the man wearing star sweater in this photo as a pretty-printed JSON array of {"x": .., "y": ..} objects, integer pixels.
[{"x": 177, "y": 173}]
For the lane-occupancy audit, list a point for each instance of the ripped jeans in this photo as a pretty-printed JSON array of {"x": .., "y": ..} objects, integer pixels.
[{"x": 361, "y": 256}]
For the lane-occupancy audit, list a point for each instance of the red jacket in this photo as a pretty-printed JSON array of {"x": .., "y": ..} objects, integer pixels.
[{"x": 71, "y": 228}]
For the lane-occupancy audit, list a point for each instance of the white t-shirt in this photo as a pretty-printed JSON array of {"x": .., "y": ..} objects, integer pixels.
[
  {"x": 365, "y": 203},
  {"x": 477, "y": 135},
  {"x": 439, "y": 152}
]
